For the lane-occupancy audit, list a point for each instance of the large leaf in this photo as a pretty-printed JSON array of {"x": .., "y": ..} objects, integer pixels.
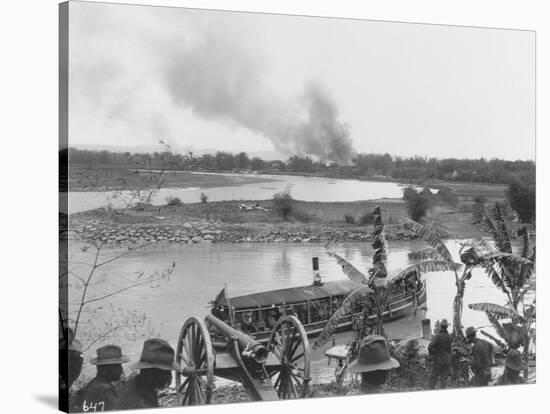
[
  {"x": 345, "y": 309},
  {"x": 525, "y": 242},
  {"x": 379, "y": 245},
  {"x": 498, "y": 311},
  {"x": 426, "y": 266},
  {"x": 494, "y": 223},
  {"x": 430, "y": 237},
  {"x": 348, "y": 269},
  {"x": 429, "y": 253}
]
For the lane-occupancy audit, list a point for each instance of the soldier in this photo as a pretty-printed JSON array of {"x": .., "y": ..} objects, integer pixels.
[
  {"x": 374, "y": 363},
  {"x": 481, "y": 358},
  {"x": 101, "y": 394},
  {"x": 155, "y": 373},
  {"x": 440, "y": 351},
  {"x": 513, "y": 367},
  {"x": 70, "y": 365}
]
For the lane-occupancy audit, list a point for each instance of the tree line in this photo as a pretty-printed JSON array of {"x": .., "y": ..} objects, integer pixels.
[{"x": 411, "y": 169}]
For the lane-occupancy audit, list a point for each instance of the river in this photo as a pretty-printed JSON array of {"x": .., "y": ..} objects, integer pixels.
[
  {"x": 202, "y": 270},
  {"x": 303, "y": 188}
]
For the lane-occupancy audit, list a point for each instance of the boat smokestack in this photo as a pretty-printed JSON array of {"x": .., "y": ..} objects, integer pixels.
[{"x": 316, "y": 273}]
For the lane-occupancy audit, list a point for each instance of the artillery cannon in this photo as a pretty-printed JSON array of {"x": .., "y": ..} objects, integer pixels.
[{"x": 276, "y": 369}]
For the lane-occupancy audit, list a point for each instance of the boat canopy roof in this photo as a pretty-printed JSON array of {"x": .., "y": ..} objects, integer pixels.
[{"x": 288, "y": 295}]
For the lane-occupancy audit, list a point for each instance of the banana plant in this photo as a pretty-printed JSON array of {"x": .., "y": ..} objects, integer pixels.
[
  {"x": 439, "y": 252},
  {"x": 512, "y": 273},
  {"x": 374, "y": 286}
]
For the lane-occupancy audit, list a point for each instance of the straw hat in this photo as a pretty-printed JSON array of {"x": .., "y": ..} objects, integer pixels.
[
  {"x": 109, "y": 355},
  {"x": 157, "y": 353},
  {"x": 373, "y": 356}
]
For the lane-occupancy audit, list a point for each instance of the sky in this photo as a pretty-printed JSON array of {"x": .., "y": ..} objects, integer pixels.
[{"x": 328, "y": 88}]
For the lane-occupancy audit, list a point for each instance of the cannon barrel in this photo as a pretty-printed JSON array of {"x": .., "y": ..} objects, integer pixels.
[{"x": 249, "y": 347}]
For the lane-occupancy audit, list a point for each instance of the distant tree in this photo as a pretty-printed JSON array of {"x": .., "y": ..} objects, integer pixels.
[
  {"x": 225, "y": 161},
  {"x": 257, "y": 164},
  {"x": 243, "y": 162},
  {"x": 522, "y": 197},
  {"x": 418, "y": 203}
]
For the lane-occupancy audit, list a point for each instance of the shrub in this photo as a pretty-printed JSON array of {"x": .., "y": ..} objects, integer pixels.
[
  {"x": 349, "y": 219},
  {"x": 204, "y": 198},
  {"x": 302, "y": 216},
  {"x": 447, "y": 196},
  {"x": 418, "y": 203},
  {"x": 173, "y": 201},
  {"x": 522, "y": 197},
  {"x": 283, "y": 204}
]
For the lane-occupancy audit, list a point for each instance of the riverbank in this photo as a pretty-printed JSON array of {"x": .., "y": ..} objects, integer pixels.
[
  {"x": 109, "y": 178},
  {"x": 313, "y": 222}
]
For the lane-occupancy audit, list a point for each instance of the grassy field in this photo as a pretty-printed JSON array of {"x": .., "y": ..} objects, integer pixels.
[{"x": 101, "y": 178}]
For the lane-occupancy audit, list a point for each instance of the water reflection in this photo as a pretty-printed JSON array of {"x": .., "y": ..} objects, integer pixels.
[{"x": 203, "y": 269}]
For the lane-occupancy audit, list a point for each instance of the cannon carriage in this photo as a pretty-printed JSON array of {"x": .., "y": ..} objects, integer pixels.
[{"x": 278, "y": 368}]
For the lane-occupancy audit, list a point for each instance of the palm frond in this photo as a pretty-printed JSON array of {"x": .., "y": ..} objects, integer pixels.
[
  {"x": 494, "y": 223},
  {"x": 509, "y": 259},
  {"x": 430, "y": 237},
  {"x": 426, "y": 266},
  {"x": 429, "y": 253},
  {"x": 497, "y": 326},
  {"x": 348, "y": 269},
  {"x": 345, "y": 309},
  {"x": 498, "y": 311},
  {"x": 495, "y": 339},
  {"x": 495, "y": 272}
]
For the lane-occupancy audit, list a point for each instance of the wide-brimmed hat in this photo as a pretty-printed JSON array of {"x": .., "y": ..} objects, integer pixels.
[
  {"x": 109, "y": 355},
  {"x": 373, "y": 356},
  {"x": 157, "y": 353},
  {"x": 514, "y": 360},
  {"x": 470, "y": 331},
  {"x": 444, "y": 323}
]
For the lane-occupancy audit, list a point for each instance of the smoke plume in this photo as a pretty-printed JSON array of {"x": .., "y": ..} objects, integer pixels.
[{"x": 220, "y": 79}]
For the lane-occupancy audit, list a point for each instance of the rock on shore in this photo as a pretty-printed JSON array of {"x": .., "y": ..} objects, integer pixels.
[{"x": 193, "y": 232}]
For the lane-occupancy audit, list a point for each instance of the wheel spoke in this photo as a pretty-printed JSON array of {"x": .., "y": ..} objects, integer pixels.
[{"x": 297, "y": 357}]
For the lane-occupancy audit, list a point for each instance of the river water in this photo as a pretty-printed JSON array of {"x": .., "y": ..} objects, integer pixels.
[
  {"x": 303, "y": 188},
  {"x": 202, "y": 270}
]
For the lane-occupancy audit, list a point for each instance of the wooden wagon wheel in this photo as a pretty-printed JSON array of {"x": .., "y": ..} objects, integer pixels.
[
  {"x": 195, "y": 379},
  {"x": 289, "y": 343}
]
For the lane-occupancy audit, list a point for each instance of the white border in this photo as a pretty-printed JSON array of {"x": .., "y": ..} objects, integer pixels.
[{"x": 29, "y": 202}]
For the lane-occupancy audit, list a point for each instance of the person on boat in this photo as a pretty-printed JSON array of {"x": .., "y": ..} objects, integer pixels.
[
  {"x": 271, "y": 319},
  {"x": 247, "y": 324},
  {"x": 481, "y": 358},
  {"x": 512, "y": 370},
  {"x": 440, "y": 351},
  {"x": 101, "y": 393},
  {"x": 374, "y": 363},
  {"x": 155, "y": 373}
]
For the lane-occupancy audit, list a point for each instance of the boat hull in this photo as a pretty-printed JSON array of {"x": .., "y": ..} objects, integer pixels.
[{"x": 398, "y": 308}]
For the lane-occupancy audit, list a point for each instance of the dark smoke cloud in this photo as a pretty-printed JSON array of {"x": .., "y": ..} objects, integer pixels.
[{"x": 222, "y": 79}]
